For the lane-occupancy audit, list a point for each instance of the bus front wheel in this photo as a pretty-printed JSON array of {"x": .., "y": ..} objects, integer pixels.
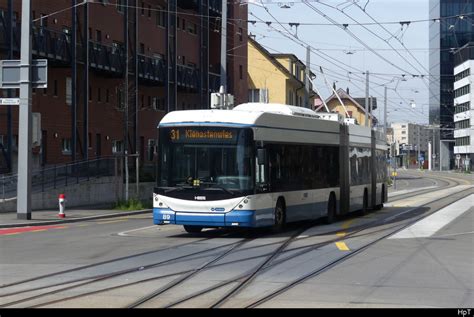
[
  {"x": 193, "y": 229},
  {"x": 280, "y": 216}
]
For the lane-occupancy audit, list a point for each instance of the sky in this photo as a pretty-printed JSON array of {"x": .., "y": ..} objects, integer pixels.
[{"x": 395, "y": 54}]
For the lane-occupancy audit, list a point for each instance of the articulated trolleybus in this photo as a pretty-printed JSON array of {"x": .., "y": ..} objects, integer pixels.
[{"x": 264, "y": 165}]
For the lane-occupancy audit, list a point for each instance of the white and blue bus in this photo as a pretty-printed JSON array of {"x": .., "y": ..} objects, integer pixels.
[{"x": 264, "y": 165}]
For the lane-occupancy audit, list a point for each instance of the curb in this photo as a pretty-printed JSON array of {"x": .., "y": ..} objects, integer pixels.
[{"x": 65, "y": 220}]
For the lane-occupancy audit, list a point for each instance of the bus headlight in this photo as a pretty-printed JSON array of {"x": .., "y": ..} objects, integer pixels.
[{"x": 158, "y": 203}]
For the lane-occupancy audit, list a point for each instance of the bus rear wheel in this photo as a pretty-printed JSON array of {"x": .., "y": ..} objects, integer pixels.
[
  {"x": 193, "y": 229},
  {"x": 365, "y": 203},
  {"x": 331, "y": 217},
  {"x": 280, "y": 216},
  {"x": 380, "y": 206}
]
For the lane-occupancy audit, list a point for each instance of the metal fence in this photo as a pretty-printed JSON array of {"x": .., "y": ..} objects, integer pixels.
[{"x": 61, "y": 176}]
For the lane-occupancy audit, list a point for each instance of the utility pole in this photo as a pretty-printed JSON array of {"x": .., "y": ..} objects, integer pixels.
[
  {"x": 418, "y": 146},
  {"x": 73, "y": 82},
  {"x": 224, "y": 46},
  {"x": 434, "y": 148},
  {"x": 25, "y": 117},
  {"x": 430, "y": 159},
  {"x": 85, "y": 119},
  {"x": 385, "y": 112},
  {"x": 126, "y": 97},
  {"x": 10, "y": 92},
  {"x": 367, "y": 98},
  {"x": 306, "y": 77}
]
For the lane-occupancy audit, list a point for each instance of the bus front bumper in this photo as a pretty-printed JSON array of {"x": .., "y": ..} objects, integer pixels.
[{"x": 240, "y": 218}]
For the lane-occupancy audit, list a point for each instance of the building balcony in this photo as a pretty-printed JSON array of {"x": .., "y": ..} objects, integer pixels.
[
  {"x": 215, "y": 7},
  {"x": 187, "y": 77},
  {"x": 188, "y": 4},
  {"x": 4, "y": 33},
  {"x": 151, "y": 70},
  {"x": 55, "y": 46},
  {"x": 106, "y": 59}
]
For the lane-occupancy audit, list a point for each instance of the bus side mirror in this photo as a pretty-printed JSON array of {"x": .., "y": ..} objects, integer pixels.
[{"x": 261, "y": 156}]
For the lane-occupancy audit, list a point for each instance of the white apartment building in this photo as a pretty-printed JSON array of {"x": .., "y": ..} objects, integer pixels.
[
  {"x": 464, "y": 113},
  {"x": 407, "y": 134}
]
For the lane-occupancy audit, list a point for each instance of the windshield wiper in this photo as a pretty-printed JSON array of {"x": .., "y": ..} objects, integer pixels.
[{"x": 177, "y": 187}]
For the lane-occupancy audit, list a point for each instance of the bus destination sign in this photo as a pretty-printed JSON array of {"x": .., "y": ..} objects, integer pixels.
[{"x": 202, "y": 135}]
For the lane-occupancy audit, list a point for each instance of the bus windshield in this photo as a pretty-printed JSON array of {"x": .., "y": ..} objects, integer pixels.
[{"x": 206, "y": 158}]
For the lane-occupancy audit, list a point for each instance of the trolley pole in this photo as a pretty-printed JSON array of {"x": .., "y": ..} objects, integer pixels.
[
  {"x": 306, "y": 78},
  {"x": 367, "y": 98},
  {"x": 25, "y": 118}
]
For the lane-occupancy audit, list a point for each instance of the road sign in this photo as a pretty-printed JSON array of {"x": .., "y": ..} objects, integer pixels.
[
  {"x": 9, "y": 101},
  {"x": 10, "y": 73},
  {"x": 458, "y": 157}
]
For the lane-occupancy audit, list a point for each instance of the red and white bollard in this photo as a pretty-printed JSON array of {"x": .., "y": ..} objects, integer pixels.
[{"x": 62, "y": 206}]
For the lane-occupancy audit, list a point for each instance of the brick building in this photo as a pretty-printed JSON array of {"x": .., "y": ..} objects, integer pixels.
[{"x": 181, "y": 36}]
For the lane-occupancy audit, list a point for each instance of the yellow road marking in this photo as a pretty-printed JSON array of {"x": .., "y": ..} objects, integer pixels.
[
  {"x": 347, "y": 224},
  {"x": 39, "y": 230},
  {"x": 341, "y": 234},
  {"x": 342, "y": 246}
]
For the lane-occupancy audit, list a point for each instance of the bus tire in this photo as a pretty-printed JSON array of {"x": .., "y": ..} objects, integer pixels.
[
  {"x": 280, "y": 216},
  {"x": 380, "y": 206},
  {"x": 365, "y": 203},
  {"x": 192, "y": 229},
  {"x": 331, "y": 216}
]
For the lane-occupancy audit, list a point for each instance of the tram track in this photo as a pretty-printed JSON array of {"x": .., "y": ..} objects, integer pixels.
[
  {"x": 242, "y": 280},
  {"x": 446, "y": 201}
]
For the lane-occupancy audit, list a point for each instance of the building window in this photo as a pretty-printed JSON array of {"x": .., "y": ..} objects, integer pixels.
[
  {"x": 160, "y": 17},
  {"x": 149, "y": 11},
  {"x": 120, "y": 6},
  {"x": 258, "y": 95},
  {"x": 90, "y": 93},
  {"x": 66, "y": 146},
  {"x": 98, "y": 35},
  {"x": 463, "y": 141},
  {"x": 464, "y": 124},
  {"x": 68, "y": 91},
  {"x": 192, "y": 28},
  {"x": 143, "y": 8},
  {"x": 464, "y": 90},
  {"x": 117, "y": 146},
  {"x": 241, "y": 72},
  {"x": 462, "y": 74}
]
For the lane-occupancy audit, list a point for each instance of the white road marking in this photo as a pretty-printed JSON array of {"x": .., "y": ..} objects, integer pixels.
[
  {"x": 401, "y": 192},
  {"x": 125, "y": 233},
  {"x": 431, "y": 224}
]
